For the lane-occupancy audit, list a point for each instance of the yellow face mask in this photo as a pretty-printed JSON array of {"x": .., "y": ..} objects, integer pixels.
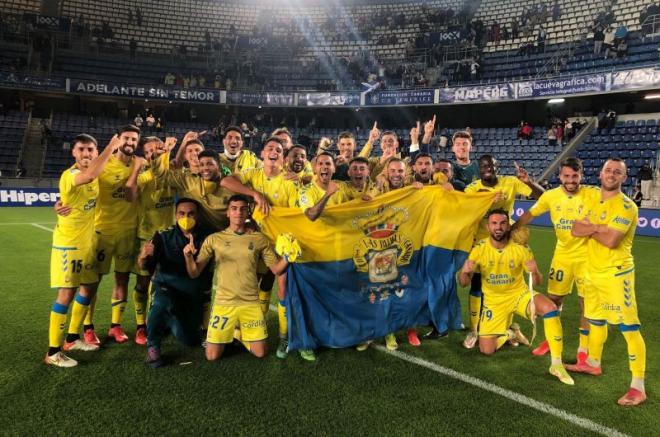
[{"x": 186, "y": 223}]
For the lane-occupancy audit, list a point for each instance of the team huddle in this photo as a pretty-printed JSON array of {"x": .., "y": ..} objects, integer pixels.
[{"x": 204, "y": 272}]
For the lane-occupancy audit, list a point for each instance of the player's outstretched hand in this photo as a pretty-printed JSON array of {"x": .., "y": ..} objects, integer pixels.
[
  {"x": 521, "y": 173},
  {"x": 190, "y": 250},
  {"x": 170, "y": 142},
  {"x": 115, "y": 143},
  {"x": 374, "y": 134},
  {"x": 429, "y": 127},
  {"x": 414, "y": 134}
]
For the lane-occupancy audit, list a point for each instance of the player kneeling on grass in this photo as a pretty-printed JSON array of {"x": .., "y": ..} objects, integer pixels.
[
  {"x": 236, "y": 255},
  {"x": 178, "y": 300},
  {"x": 501, "y": 263}
]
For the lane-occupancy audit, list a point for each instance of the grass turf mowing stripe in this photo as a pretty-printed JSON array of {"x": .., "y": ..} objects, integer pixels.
[
  {"x": 37, "y": 225},
  {"x": 511, "y": 395}
]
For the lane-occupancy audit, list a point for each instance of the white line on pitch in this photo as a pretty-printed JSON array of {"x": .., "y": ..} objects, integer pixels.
[
  {"x": 511, "y": 395},
  {"x": 24, "y": 223},
  {"x": 37, "y": 225}
]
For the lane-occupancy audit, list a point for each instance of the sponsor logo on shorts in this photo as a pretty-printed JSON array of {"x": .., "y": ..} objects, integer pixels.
[{"x": 254, "y": 324}]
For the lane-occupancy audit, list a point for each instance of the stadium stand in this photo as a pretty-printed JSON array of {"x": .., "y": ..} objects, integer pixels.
[
  {"x": 634, "y": 141},
  {"x": 12, "y": 131}
]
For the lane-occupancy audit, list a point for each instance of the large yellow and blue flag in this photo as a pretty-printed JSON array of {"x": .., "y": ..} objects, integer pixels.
[{"x": 371, "y": 268}]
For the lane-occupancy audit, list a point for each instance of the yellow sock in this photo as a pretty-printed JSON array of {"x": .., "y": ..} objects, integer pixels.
[
  {"x": 78, "y": 313},
  {"x": 636, "y": 350},
  {"x": 583, "y": 344},
  {"x": 89, "y": 317},
  {"x": 281, "y": 318},
  {"x": 597, "y": 339},
  {"x": 57, "y": 324},
  {"x": 554, "y": 335},
  {"x": 264, "y": 301},
  {"x": 501, "y": 341},
  {"x": 474, "y": 306},
  {"x": 140, "y": 304},
  {"x": 118, "y": 307}
]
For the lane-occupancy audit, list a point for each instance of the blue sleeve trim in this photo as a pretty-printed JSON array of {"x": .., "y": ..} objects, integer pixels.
[
  {"x": 60, "y": 309},
  {"x": 584, "y": 331},
  {"x": 476, "y": 293}
]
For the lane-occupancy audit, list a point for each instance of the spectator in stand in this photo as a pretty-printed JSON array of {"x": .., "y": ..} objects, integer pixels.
[
  {"x": 151, "y": 121},
  {"x": 525, "y": 131},
  {"x": 552, "y": 136},
  {"x": 540, "y": 39},
  {"x": 560, "y": 132},
  {"x": 599, "y": 37},
  {"x": 138, "y": 120},
  {"x": 138, "y": 16},
  {"x": 645, "y": 178},
  {"x": 636, "y": 196},
  {"x": 474, "y": 69},
  {"x": 556, "y": 11},
  {"x": 133, "y": 48},
  {"x": 622, "y": 49},
  {"x": 169, "y": 79},
  {"x": 620, "y": 33},
  {"x": 608, "y": 42}
]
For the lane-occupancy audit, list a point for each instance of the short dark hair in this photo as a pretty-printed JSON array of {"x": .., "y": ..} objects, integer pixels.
[
  {"x": 391, "y": 133},
  {"x": 497, "y": 211},
  {"x": 360, "y": 159},
  {"x": 573, "y": 163},
  {"x": 295, "y": 146},
  {"x": 232, "y": 128},
  {"x": 395, "y": 160},
  {"x": 181, "y": 200},
  {"x": 487, "y": 157},
  {"x": 443, "y": 160},
  {"x": 84, "y": 138},
  {"x": 345, "y": 134},
  {"x": 461, "y": 134},
  {"x": 239, "y": 198},
  {"x": 129, "y": 128},
  {"x": 209, "y": 153},
  {"x": 422, "y": 155},
  {"x": 275, "y": 139},
  {"x": 616, "y": 159},
  {"x": 326, "y": 154}
]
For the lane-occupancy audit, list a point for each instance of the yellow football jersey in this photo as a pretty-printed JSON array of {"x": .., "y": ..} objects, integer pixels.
[
  {"x": 246, "y": 159},
  {"x": 564, "y": 210},
  {"x": 236, "y": 258},
  {"x": 155, "y": 206},
  {"x": 501, "y": 269},
  {"x": 76, "y": 228},
  {"x": 618, "y": 213},
  {"x": 311, "y": 193},
  {"x": 306, "y": 172},
  {"x": 510, "y": 187},
  {"x": 114, "y": 212},
  {"x": 353, "y": 193},
  {"x": 211, "y": 197},
  {"x": 278, "y": 190}
]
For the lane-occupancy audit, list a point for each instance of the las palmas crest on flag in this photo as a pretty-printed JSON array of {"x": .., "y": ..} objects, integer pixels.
[{"x": 382, "y": 250}]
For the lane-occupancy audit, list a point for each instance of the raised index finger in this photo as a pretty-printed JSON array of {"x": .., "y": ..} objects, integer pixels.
[
  {"x": 417, "y": 124},
  {"x": 375, "y": 125},
  {"x": 434, "y": 119}
]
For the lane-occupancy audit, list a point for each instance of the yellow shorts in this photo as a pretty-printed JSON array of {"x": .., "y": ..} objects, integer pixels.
[
  {"x": 224, "y": 320},
  {"x": 136, "y": 267},
  {"x": 496, "y": 317},
  {"x": 564, "y": 273},
  {"x": 120, "y": 247},
  {"x": 610, "y": 296},
  {"x": 72, "y": 265}
]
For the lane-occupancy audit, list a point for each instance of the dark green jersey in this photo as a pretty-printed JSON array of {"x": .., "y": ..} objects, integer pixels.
[{"x": 466, "y": 173}]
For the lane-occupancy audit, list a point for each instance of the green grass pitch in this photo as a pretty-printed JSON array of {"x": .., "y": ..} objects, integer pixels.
[{"x": 113, "y": 392}]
